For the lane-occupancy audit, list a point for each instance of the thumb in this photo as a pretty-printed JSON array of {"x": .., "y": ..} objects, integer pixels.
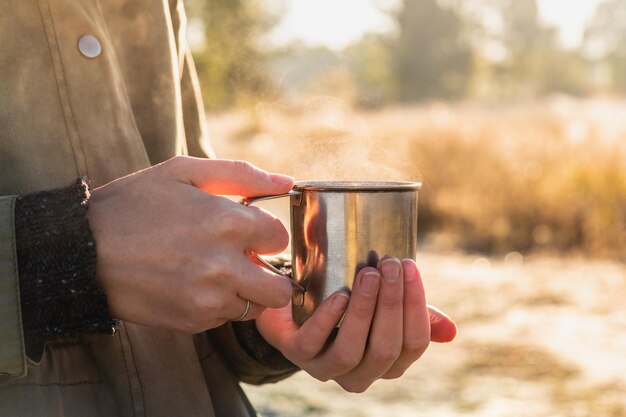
[
  {"x": 442, "y": 328},
  {"x": 228, "y": 177},
  {"x": 276, "y": 325}
]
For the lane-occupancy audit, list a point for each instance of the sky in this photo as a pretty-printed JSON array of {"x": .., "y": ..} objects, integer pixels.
[{"x": 337, "y": 23}]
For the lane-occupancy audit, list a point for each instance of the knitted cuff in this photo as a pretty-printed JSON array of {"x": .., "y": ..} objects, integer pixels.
[
  {"x": 56, "y": 255},
  {"x": 257, "y": 347}
]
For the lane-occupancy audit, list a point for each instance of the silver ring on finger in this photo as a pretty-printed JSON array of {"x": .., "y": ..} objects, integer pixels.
[{"x": 245, "y": 312}]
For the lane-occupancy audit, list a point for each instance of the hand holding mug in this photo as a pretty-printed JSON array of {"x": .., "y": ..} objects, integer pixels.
[
  {"x": 171, "y": 252},
  {"x": 339, "y": 227},
  {"x": 387, "y": 326}
]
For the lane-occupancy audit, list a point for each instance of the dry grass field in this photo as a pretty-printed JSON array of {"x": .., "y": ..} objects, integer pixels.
[
  {"x": 547, "y": 176},
  {"x": 523, "y": 243}
]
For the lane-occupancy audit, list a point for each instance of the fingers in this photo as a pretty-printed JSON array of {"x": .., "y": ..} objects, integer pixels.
[
  {"x": 385, "y": 339},
  {"x": 249, "y": 227},
  {"x": 260, "y": 285},
  {"x": 265, "y": 234},
  {"x": 347, "y": 350},
  {"x": 313, "y": 334},
  {"x": 227, "y": 177},
  {"x": 442, "y": 328},
  {"x": 278, "y": 329},
  {"x": 387, "y": 326},
  {"x": 239, "y": 310},
  {"x": 416, "y": 325}
]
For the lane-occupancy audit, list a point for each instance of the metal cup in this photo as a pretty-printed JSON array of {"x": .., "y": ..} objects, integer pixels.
[{"x": 339, "y": 227}]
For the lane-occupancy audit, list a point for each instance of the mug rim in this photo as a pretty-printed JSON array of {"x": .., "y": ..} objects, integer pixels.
[{"x": 349, "y": 186}]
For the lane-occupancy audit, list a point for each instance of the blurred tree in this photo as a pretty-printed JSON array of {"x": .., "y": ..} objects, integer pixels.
[
  {"x": 369, "y": 62},
  {"x": 443, "y": 49},
  {"x": 297, "y": 66},
  {"x": 230, "y": 65},
  {"x": 525, "y": 41},
  {"x": 605, "y": 40},
  {"x": 565, "y": 72},
  {"x": 518, "y": 55},
  {"x": 522, "y": 42},
  {"x": 431, "y": 57}
]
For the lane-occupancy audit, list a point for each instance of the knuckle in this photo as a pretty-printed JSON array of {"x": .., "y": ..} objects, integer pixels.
[
  {"x": 364, "y": 309},
  {"x": 194, "y": 304},
  {"x": 218, "y": 271},
  {"x": 390, "y": 302},
  {"x": 385, "y": 354},
  {"x": 305, "y": 349},
  {"x": 275, "y": 235},
  {"x": 281, "y": 291},
  {"x": 355, "y": 387},
  {"x": 176, "y": 162},
  {"x": 282, "y": 236},
  {"x": 191, "y": 324},
  {"x": 416, "y": 347},
  {"x": 280, "y": 299},
  {"x": 201, "y": 303},
  {"x": 286, "y": 291},
  {"x": 169, "y": 166},
  {"x": 319, "y": 374},
  {"x": 180, "y": 159},
  {"x": 231, "y": 222},
  {"x": 217, "y": 323},
  {"x": 394, "y": 374},
  {"x": 245, "y": 167},
  {"x": 322, "y": 378},
  {"x": 345, "y": 361},
  {"x": 254, "y": 313}
]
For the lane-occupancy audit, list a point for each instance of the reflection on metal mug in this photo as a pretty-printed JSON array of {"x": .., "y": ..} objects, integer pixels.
[{"x": 339, "y": 227}]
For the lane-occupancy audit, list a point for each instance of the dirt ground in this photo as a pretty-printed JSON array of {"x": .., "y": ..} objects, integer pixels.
[{"x": 538, "y": 336}]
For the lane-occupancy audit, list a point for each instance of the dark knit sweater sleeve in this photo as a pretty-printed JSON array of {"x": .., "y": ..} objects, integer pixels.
[
  {"x": 254, "y": 344},
  {"x": 257, "y": 347},
  {"x": 57, "y": 267}
]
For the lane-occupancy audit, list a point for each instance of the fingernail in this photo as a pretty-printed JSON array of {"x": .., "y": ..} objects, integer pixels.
[
  {"x": 410, "y": 270},
  {"x": 391, "y": 268},
  {"x": 340, "y": 301},
  {"x": 370, "y": 282},
  {"x": 281, "y": 179}
]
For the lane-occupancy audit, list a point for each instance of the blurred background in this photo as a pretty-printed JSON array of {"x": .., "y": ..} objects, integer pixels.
[{"x": 513, "y": 114}]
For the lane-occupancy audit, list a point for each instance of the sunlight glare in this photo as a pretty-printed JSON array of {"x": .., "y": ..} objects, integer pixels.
[
  {"x": 336, "y": 24},
  {"x": 330, "y": 23},
  {"x": 570, "y": 17}
]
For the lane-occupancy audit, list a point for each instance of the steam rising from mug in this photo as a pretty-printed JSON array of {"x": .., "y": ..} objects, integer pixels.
[
  {"x": 336, "y": 229},
  {"x": 322, "y": 139}
]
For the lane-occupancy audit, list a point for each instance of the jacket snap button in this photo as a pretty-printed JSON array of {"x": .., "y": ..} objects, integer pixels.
[{"x": 89, "y": 46}]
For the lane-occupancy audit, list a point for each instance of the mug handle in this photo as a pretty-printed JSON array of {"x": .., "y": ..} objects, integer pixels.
[{"x": 248, "y": 201}]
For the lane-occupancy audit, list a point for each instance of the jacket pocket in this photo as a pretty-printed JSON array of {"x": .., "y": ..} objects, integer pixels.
[
  {"x": 64, "y": 362},
  {"x": 66, "y": 383}
]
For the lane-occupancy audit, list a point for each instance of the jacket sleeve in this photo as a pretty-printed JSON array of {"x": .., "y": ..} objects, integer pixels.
[
  {"x": 47, "y": 275},
  {"x": 13, "y": 360},
  {"x": 247, "y": 366},
  {"x": 250, "y": 356}
]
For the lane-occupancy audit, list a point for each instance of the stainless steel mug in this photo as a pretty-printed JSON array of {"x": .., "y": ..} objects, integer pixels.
[{"x": 339, "y": 227}]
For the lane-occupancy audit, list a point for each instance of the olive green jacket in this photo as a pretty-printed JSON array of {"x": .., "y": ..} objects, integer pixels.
[{"x": 120, "y": 100}]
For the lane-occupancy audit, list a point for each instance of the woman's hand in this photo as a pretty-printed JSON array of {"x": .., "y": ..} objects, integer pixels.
[
  {"x": 171, "y": 253},
  {"x": 387, "y": 326}
]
